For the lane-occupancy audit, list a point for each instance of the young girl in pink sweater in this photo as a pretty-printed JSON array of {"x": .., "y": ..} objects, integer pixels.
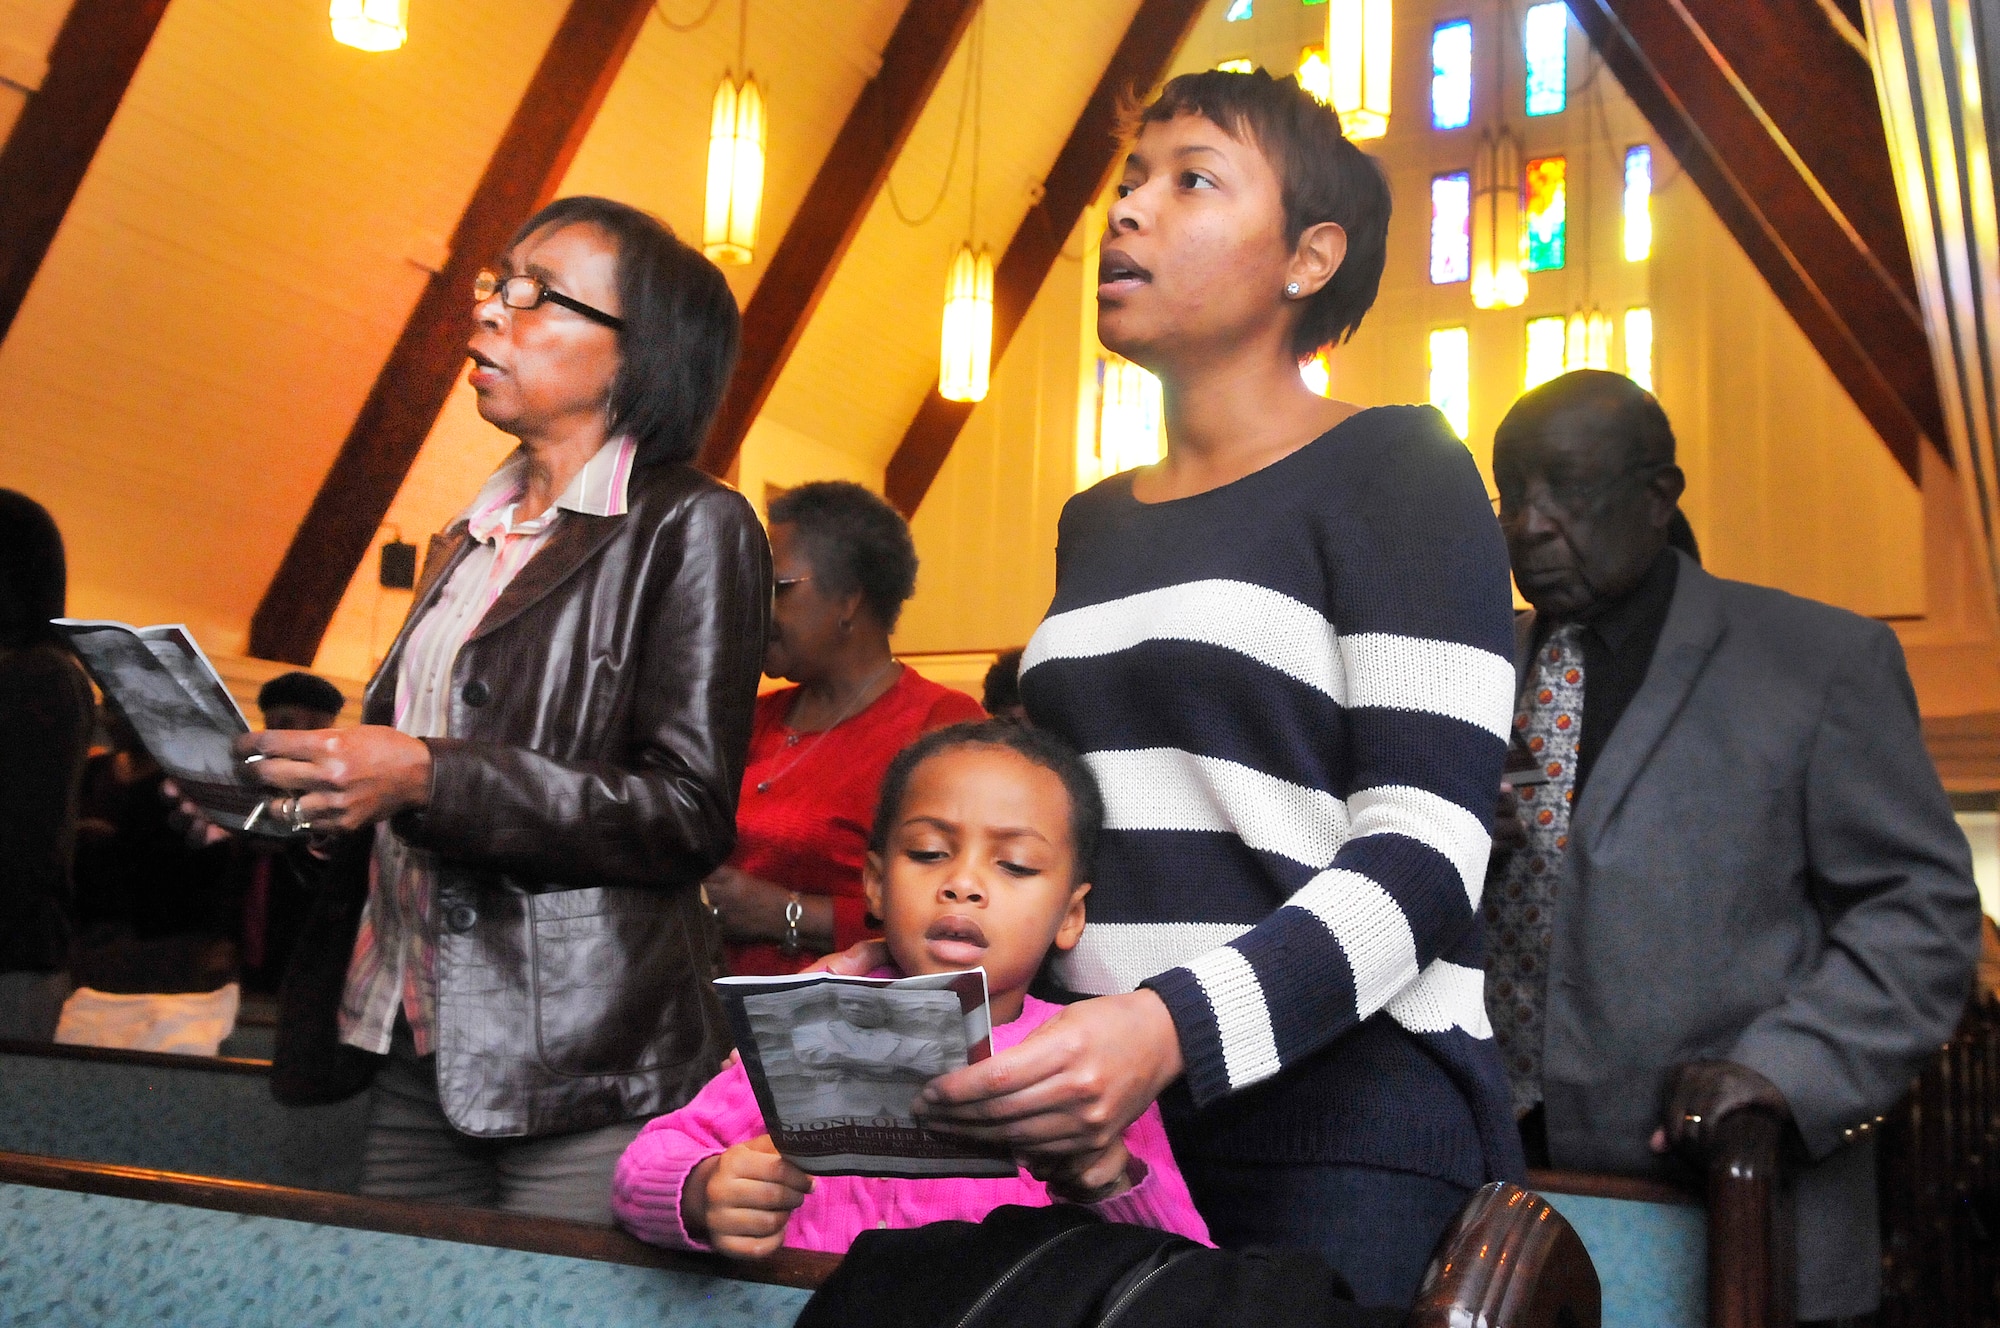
[{"x": 980, "y": 856}]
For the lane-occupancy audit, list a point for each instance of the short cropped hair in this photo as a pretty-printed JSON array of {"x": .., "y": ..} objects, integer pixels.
[
  {"x": 855, "y": 541},
  {"x": 1324, "y": 177},
  {"x": 1003, "y": 682},
  {"x": 308, "y": 691},
  {"x": 681, "y": 333},
  {"x": 1039, "y": 746},
  {"x": 1609, "y": 404}
]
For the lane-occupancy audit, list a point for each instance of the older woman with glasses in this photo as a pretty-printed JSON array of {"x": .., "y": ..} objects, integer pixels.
[
  {"x": 792, "y": 891},
  {"x": 549, "y": 757}
]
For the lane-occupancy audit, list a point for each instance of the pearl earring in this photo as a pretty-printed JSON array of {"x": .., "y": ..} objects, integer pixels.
[{"x": 1292, "y": 289}]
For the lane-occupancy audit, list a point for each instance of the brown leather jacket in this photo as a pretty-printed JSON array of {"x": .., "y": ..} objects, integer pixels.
[{"x": 600, "y": 715}]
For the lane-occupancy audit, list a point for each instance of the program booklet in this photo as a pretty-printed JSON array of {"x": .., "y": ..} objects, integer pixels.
[
  {"x": 170, "y": 693},
  {"x": 836, "y": 1062}
]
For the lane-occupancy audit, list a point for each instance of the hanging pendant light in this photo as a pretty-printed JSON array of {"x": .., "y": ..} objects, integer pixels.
[
  {"x": 371, "y": 25},
  {"x": 735, "y": 161},
  {"x": 1497, "y": 279},
  {"x": 735, "y": 172},
  {"x": 966, "y": 357},
  {"x": 1359, "y": 48}
]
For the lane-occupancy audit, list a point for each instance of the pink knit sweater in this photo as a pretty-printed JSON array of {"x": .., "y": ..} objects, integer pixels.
[{"x": 646, "y": 1191}]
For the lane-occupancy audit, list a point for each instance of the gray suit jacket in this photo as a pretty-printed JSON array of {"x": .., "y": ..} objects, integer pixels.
[{"x": 1762, "y": 868}]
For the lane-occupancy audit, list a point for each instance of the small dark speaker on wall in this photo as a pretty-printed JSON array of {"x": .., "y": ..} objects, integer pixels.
[{"x": 399, "y": 565}]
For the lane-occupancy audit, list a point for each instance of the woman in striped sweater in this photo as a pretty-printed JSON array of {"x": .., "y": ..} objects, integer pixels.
[{"x": 1285, "y": 651}]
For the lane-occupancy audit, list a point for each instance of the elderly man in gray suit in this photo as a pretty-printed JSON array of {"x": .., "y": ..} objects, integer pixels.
[{"x": 1739, "y": 884}]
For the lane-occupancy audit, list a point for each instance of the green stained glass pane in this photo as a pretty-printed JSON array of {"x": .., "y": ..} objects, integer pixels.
[{"x": 1544, "y": 230}]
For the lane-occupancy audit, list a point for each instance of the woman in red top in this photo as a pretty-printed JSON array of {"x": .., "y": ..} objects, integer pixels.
[{"x": 843, "y": 563}]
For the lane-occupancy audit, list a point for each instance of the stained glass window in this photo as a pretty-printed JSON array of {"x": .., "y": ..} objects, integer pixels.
[
  {"x": 1451, "y": 75},
  {"x": 1546, "y": 344},
  {"x": 1638, "y": 204},
  {"x": 1238, "y": 11},
  {"x": 1545, "y": 37},
  {"x": 1130, "y": 428},
  {"x": 1317, "y": 374},
  {"x": 1238, "y": 67},
  {"x": 1314, "y": 74},
  {"x": 1544, "y": 219},
  {"x": 1451, "y": 227},
  {"x": 1639, "y": 347},
  {"x": 1451, "y": 376}
]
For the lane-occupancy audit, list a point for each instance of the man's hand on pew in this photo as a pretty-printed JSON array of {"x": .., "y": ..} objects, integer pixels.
[{"x": 1701, "y": 1093}]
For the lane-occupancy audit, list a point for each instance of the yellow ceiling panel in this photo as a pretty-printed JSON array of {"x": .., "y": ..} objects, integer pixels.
[
  {"x": 871, "y": 351},
  {"x": 230, "y": 278}
]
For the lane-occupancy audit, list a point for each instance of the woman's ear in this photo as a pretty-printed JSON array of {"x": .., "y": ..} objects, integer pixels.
[
  {"x": 1317, "y": 256},
  {"x": 852, "y": 607},
  {"x": 1071, "y": 930},
  {"x": 871, "y": 882}
]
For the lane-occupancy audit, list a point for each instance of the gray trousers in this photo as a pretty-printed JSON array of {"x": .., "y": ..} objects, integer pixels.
[{"x": 412, "y": 1152}]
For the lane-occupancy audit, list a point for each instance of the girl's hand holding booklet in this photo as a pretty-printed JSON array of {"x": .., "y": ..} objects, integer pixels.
[{"x": 836, "y": 1062}]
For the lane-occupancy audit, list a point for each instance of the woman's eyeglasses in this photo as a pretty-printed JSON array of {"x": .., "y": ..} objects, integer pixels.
[{"x": 522, "y": 291}]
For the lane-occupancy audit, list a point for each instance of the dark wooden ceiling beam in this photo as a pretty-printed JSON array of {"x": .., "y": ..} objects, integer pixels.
[
  {"x": 523, "y": 173},
  {"x": 96, "y": 52},
  {"x": 830, "y": 215},
  {"x": 1773, "y": 114},
  {"x": 1077, "y": 177}
]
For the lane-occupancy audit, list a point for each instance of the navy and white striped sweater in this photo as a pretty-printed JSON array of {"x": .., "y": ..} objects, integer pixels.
[{"x": 1295, "y": 690}]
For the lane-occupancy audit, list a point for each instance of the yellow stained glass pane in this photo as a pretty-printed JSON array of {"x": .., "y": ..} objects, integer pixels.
[
  {"x": 1639, "y": 347},
  {"x": 1451, "y": 376},
  {"x": 1547, "y": 343}
]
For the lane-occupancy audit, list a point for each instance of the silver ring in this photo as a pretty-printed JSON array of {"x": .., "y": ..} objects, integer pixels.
[
  {"x": 292, "y": 816},
  {"x": 1692, "y": 1118}
]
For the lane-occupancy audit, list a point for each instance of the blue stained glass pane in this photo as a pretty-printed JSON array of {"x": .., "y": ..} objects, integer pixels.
[
  {"x": 1238, "y": 11},
  {"x": 1545, "y": 36},
  {"x": 1451, "y": 75},
  {"x": 1451, "y": 228}
]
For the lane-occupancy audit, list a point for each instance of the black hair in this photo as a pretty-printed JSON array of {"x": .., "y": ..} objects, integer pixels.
[
  {"x": 1611, "y": 405},
  {"x": 681, "y": 331},
  {"x": 855, "y": 541},
  {"x": 34, "y": 576},
  {"x": 308, "y": 691},
  {"x": 1039, "y": 746},
  {"x": 1323, "y": 176},
  {"x": 1003, "y": 682}
]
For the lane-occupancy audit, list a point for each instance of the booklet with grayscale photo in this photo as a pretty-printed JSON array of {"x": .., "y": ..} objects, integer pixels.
[
  {"x": 836, "y": 1062},
  {"x": 170, "y": 693}
]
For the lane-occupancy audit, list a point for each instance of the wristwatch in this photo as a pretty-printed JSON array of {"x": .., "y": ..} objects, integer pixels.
[{"x": 795, "y": 910}]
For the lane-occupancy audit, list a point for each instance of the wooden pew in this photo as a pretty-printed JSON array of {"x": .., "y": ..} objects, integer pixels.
[
  {"x": 204, "y": 1115},
  {"x": 1670, "y": 1257},
  {"x": 121, "y": 1245},
  {"x": 1941, "y": 1185}
]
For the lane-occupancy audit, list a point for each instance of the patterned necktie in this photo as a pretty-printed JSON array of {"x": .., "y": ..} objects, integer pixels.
[{"x": 1520, "y": 906}]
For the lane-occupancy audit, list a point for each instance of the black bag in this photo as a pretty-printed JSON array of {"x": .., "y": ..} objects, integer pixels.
[
  {"x": 1064, "y": 1267},
  {"x": 310, "y": 1066}
]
